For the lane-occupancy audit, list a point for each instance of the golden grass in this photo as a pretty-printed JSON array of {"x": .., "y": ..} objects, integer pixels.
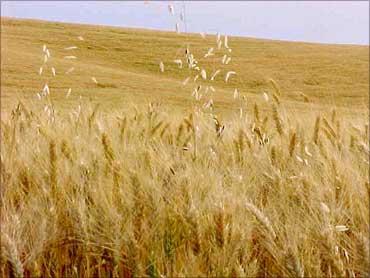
[
  {"x": 263, "y": 185},
  {"x": 125, "y": 62},
  {"x": 140, "y": 193}
]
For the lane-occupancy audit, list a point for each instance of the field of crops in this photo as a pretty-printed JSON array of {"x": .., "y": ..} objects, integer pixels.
[{"x": 119, "y": 169}]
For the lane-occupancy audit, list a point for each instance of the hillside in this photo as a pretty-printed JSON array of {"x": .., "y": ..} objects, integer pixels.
[
  {"x": 274, "y": 186},
  {"x": 126, "y": 64}
]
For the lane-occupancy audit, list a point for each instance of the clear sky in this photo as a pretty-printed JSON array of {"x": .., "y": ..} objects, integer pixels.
[{"x": 315, "y": 21}]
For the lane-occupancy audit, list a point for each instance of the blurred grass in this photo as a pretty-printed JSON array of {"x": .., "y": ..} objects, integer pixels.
[
  {"x": 116, "y": 190},
  {"x": 125, "y": 63}
]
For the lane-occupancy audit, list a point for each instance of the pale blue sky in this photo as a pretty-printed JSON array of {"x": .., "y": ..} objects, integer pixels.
[{"x": 315, "y": 21}]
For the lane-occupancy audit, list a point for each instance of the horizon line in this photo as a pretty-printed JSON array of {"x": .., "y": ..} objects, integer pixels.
[{"x": 181, "y": 33}]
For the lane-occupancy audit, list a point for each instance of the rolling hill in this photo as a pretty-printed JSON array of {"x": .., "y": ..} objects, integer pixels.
[
  {"x": 125, "y": 62},
  {"x": 272, "y": 184}
]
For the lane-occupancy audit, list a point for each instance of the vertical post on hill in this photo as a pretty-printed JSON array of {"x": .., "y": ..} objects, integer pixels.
[{"x": 184, "y": 10}]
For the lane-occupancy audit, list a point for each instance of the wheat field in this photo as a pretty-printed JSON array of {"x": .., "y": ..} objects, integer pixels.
[{"x": 252, "y": 180}]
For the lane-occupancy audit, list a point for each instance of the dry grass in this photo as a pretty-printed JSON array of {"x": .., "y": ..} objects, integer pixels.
[
  {"x": 141, "y": 193},
  {"x": 266, "y": 184},
  {"x": 125, "y": 62}
]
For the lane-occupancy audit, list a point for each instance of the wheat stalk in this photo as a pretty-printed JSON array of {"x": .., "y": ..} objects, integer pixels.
[
  {"x": 9, "y": 253},
  {"x": 228, "y": 75},
  {"x": 263, "y": 219}
]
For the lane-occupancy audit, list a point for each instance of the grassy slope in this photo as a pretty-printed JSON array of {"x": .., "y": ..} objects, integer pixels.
[
  {"x": 125, "y": 62},
  {"x": 145, "y": 194}
]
